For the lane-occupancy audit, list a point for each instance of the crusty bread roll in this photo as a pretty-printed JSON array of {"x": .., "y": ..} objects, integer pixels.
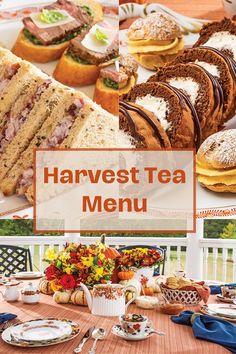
[
  {"x": 216, "y": 162},
  {"x": 94, "y": 6},
  {"x": 106, "y": 97},
  {"x": 72, "y": 73},
  {"x": 27, "y": 50}
]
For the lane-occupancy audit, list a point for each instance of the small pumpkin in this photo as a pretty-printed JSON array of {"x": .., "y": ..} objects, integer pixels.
[
  {"x": 110, "y": 252},
  {"x": 45, "y": 287},
  {"x": 78, "y": 297},
  {"x": 61, "y": 297},
  {"x": 126, "y": 275},
  {"x": 147, "y": 291}
]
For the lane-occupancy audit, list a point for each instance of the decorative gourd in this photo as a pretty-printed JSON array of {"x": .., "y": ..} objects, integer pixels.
[
  {"x": 129, "y": 294},
  {"x": 147, "y": 291},
  {"x": 133, "y": 282},
  {"x": 78, "y": 297},
  {"x": 110, "y": 252},
  {"x": 126, "y": 275},
  {"x": 45, "y": 287},
  {"x": 152, "y": 283},
  {"x": 62, "y": 297},
  {"x": 55, "y": 286}
]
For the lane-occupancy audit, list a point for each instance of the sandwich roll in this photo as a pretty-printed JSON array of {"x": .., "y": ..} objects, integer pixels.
[
  {"x": 27, "y": 50},
  {"x": 107, "y": 89},
  {"x": 71, "y": 72},
  {"x": 47, "y": 33}
]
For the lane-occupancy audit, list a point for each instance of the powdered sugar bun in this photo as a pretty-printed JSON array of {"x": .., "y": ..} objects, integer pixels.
[
  {"x": 156, "y": 26},
  {"x": 219, "y": 150}
]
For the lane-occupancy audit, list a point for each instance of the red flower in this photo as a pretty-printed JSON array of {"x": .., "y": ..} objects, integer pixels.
[
  {"x": 73, "y": 255},
  {"x": 51, "y": 272},
  {"x": 67, "y": 281}
]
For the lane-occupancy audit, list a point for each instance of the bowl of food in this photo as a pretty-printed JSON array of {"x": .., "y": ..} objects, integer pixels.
[
  {"x": 171, "y": 308},
  {"x": 181, "y": 290}
]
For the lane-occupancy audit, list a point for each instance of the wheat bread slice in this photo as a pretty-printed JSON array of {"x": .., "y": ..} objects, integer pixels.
[
  {"x": 12, "y": 91},
  {"x": 61, "y": 100},
  {"x": 40, "y": 112}
]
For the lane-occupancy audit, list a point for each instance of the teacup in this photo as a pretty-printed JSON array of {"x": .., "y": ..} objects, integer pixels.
[
  {"x": 228, "y": 292},
  {"x": 230, "y": 7},
  {"x": 133, "y": 324}
]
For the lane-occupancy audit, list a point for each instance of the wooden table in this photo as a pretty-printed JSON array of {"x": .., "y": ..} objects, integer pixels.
[{"x": 178, "y": 339}]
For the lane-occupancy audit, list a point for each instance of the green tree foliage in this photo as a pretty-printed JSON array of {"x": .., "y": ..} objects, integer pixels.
[
  {"x": 212, "y": 229},
  {"x": 229, "y": 231},
  {"x": 18, "y": 228}
]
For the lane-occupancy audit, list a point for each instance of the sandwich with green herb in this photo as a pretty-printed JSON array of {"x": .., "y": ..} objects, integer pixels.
[
  {"x": 47, "y": 33},
  {"x": 87, "y": 54}
]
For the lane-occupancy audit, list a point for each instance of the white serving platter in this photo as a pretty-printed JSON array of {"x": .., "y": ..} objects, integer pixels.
[
  {"x": 209, "y": 204},
  {"x": 9, "y": 29}
]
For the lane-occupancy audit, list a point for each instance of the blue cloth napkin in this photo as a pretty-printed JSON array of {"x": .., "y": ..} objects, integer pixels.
[
  {"x": 6, "y": 317},
  {"x": 209, "y": 328},
  {"x": 216, "y": 289}
]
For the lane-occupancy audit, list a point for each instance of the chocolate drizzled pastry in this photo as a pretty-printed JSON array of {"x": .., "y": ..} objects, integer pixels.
[
  {"x": 171, "y": 109},
  {"x": 220, "y": 35},
  {"x": 203, "y": 90},
  {"x": 218, "y": 65},
  {"x": 143, "y": 126}
]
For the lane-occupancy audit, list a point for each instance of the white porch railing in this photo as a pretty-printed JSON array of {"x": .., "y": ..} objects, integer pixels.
[{"x": 202, "y": 258}]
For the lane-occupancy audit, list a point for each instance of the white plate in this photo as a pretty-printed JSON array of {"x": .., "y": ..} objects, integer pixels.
[
  {"x": 223, "y": 311},
  {"x": 9, "y": 30},
  {"x": 37, "y": 330},
  {"x": 28, "y": 275},
  {"x": 221, "y": 298},
  {"x": 6, "y": 336},
  {"x": 209, "y": 204},
  {"x": 117, "y": 331}
]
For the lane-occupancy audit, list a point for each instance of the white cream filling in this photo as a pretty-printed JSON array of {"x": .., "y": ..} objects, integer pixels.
[
  {"x": 158, "y": 106},
  {"x": 211, "y": 68},
  {"x": 188, "y": 85},
  {"x": 222, "y": 40}
]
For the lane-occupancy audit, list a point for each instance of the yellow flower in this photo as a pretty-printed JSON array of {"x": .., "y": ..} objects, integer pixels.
[
  {"x": 64, "y": 256},
  {"x": 87, "y": 261},
  {"x": 99, "y": 271},
  {"x": 101, "y": 256},
  {"x": 67, "y": 270},
  {"x": 50, "y": 254}
]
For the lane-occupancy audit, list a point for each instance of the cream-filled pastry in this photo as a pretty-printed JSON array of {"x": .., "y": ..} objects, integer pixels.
[
  {"x": 155, "y": 40},
  {"x": 216, "y": 162}
]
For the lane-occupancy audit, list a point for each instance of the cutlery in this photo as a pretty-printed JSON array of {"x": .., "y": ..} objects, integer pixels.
[
  {"x": 98, "y": 334},
  {"x": 157, "y": 332},
  {"x": 87, "y": 335}
]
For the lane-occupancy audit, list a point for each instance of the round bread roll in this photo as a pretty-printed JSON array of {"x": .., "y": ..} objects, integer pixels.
[{"x": 92, "y": 7}]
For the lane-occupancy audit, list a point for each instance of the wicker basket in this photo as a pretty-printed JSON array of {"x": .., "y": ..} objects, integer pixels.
[{"x": 190, "y": 297}]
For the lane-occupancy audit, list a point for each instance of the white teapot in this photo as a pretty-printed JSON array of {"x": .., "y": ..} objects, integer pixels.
[
  {"x": 11, "y": 291},
  {"x": 108, "y": 299}
]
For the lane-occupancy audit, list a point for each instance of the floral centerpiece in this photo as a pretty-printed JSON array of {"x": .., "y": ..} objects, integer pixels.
[
  {"x": 140, "y": 259},
  {"x": 78, "y": 263}
]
